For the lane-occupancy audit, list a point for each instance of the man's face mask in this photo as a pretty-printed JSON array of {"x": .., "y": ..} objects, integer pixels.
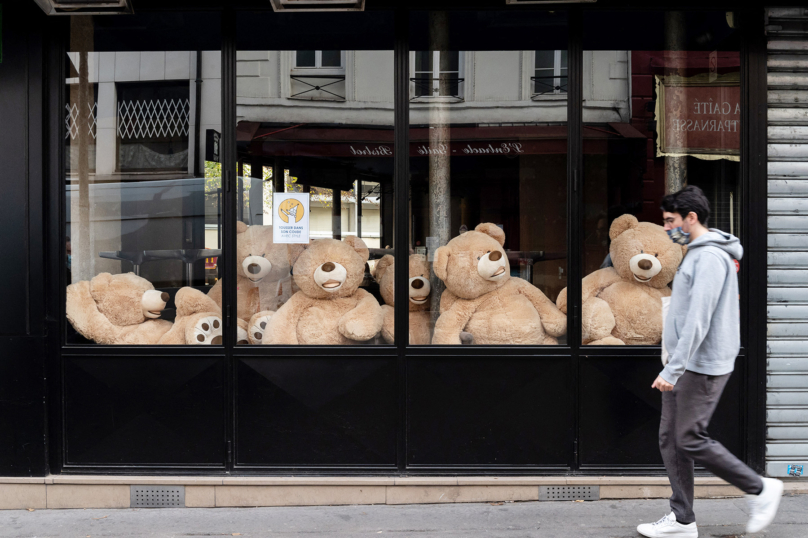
[{"x": 679, "y": 236}]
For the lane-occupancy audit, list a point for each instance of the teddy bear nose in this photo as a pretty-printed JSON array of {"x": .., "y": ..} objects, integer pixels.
[
  {"x": 495, "y": 256},
  {"x": 328, "y": 267},
  {"x": 417, "y": 284},
  {"x": 644, "y": 264},
  {"x": 254, "y": 268},
  {"x": 164, "y": 297}
]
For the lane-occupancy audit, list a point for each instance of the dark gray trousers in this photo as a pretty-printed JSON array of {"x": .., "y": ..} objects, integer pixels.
[{"x": 683, "y": 439}]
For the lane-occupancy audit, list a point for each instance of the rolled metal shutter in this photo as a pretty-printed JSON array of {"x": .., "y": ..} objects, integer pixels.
[{"x": 787, "y": 305}]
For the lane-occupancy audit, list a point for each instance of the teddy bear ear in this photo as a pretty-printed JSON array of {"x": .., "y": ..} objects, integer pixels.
[
  {"x": 100, "y": 283},
  {"x": 621, "y": 224},
  {"x": 441, "y": 263},
  {"x": 382, "y": 266},
  {"x": 293, "y": 252},
  {"x": 241, "y": 227},
  {"x": 493, "y": 230},
  {"x": 358, "y": 245}
]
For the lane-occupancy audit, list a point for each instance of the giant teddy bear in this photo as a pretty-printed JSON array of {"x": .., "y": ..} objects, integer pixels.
[
  {"x": 419, "y": 290},
  {"x": 330, "y": 308},
  {"x": 623, "y": 304},
  {"x": 481, "y": 298},
  {"x": 126, "y": 309},
  {"x": 263, "y": 282}
]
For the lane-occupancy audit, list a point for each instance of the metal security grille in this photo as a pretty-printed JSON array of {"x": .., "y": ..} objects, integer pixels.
[
  {"x": 156, "y": 496},
  {"x": 156, "y": 118},
  {"x": 569, "y": 493},
  {"x": 787, "y": 302},
  {"x": 73, "y": 122}
]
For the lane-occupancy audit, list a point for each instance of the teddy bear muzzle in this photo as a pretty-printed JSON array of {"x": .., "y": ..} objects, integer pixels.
[
  {"x": 256, "y": 267},
  {"x": 644, "y": 267},
  {"x": 330, "y": 276},
  {"x": 153, "y": 303},
  {"x": 492, "y": 265},
  {"x": 419, "y": 290}
]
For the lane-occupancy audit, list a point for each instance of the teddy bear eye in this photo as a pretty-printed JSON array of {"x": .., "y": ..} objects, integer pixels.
[
  {"x": 656, "y": 255},
  {"x": 263, "y": 255},
  {"x": 478, "y": 257},
  {"x": 642, "y": 252}
]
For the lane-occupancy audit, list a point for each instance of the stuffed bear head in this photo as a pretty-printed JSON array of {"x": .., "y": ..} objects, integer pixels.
[
  {"x": 642, "y": 252},
  {"x": 419, "y": 288},
  {"x": 474, "y": 263},
  {"x": 329, "y": 268},
  {"x": 259, "y": 258},
  {"x": 127, "y": 299}
]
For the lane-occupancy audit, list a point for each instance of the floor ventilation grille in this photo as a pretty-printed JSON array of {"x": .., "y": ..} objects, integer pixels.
[
  {"x": 156, "y": 496},
  {"x": 569, "y": 493}
]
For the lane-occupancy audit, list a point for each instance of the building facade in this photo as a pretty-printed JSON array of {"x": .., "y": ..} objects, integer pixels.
[{"x": 175, "y": 144}]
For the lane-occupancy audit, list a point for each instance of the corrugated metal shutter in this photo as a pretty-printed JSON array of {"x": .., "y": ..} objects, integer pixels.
[{"x": 787, "y": 310}]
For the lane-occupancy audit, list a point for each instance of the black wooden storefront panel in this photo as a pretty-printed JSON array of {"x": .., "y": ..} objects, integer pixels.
[
  {"x": 490, "y": 411},
  {"x": 316, "y": 411},
  {"x": 619, "y": 412},
  {"x": 144, "y": 411},
  {"x": 22, "y": 407}
]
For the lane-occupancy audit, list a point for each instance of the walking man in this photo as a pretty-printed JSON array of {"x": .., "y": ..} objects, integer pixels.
[{"x": 702, "y": 337}]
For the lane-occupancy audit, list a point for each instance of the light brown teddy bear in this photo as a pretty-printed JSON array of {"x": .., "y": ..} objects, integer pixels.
[
  {"x": 126, "y": 309},
  {"x": 623, "y": 304},
  {"x": 419, "y": 291},
  {"x": 263, "y": 280},
  {"x": 481, "y": 297},
  {"x": 330, "y": 308}
]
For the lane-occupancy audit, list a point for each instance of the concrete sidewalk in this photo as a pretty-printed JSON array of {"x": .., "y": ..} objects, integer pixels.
[{"x": 724, "y": 518}]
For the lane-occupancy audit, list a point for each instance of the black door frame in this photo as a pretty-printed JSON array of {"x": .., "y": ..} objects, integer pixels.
[{"x": 753, "y": 166}]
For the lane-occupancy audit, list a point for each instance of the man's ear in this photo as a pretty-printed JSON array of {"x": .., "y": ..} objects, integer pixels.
[
  {"x": 293, "y": 252},
  {"x": 382, "y": 266},
  {"x": 493, "y": 230},
  {"x": 621, "y": 224},
  {"x": 441, "y": 263}
]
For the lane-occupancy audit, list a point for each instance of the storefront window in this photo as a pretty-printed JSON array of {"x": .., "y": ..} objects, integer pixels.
[
  {"x": 315, "y": 166},
  {"x": 143, "y": 182},
  {"x": 661, "y": 111},
  {"x": 488, "y": 169}
]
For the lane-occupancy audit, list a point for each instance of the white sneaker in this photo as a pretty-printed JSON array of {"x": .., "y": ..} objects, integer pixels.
[
  {"x": 763, "y": 507},
  {"x": 668, "y": 526}
]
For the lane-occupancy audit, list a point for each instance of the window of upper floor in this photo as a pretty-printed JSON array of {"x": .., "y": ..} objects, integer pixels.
[
  {"x": 437, "y": 75},
  {"x": 549, "y": 73}
]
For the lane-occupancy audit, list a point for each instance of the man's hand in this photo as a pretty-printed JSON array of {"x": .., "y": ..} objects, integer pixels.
[{"x": 662, "y": 385}]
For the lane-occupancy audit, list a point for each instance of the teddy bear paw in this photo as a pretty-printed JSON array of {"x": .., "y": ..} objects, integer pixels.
[
  {"x": 258, "y": 330},
  {"x": 242, "y": 338},
  {"x": 208, "y": 331}
]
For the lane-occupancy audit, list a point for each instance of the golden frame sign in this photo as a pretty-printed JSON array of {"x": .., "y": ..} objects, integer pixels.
[{"x": 699, "y": 117}]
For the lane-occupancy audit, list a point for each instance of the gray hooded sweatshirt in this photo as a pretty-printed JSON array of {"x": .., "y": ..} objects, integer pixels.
[{"x": 702, "y": 329}]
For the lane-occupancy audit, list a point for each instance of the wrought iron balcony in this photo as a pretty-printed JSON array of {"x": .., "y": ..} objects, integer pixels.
[
  {"x": 429, "y": 88},
  {"x": 548, "y": 85},
  {"x": 318, "y": 87}
]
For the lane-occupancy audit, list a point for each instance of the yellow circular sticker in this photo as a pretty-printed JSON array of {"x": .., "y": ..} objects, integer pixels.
[{"x": 291, "y": 209}]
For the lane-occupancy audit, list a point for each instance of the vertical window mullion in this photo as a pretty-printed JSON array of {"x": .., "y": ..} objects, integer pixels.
[{"x": 436, "y": 72}]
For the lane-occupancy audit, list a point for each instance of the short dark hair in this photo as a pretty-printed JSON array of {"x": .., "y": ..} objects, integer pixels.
[{"x": 691, "y": 198}]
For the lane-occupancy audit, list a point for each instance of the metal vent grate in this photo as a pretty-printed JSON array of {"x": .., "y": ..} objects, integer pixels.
[
  {"x": 156, "y": 496},
  {"x": 569, "y": 493}
]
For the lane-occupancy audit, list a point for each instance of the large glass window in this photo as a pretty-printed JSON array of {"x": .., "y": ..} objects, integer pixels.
[
  {"x": 488, "y": 188},
  {"x": 315, "y": 167},
  {"x": 661, "y": 111},
  {"x": 143, "y": 181}
]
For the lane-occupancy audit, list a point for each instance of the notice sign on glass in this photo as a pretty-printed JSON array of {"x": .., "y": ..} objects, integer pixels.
[
  {"x": 699, "y": 116},
  {"x": 290, "y": 221}
]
